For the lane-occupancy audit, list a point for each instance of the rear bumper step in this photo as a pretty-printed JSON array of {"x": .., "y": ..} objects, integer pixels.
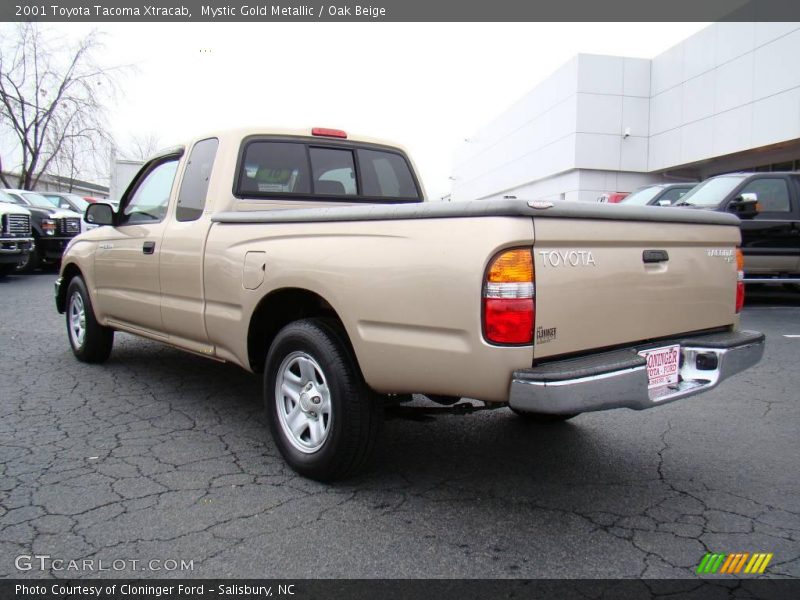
[{"x": 618, "y": 379}]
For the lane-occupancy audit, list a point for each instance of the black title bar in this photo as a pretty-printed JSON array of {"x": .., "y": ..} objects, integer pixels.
[
  {"x": 398, "y": 589},
  {"x": 399, "y": 10}
]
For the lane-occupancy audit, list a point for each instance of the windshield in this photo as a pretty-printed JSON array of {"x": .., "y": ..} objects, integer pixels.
[
  {"x": 78, "y": 202},
  {"x": 72, "y": 200},
  {"x": 642, "y": 197},
  {"x": 711, "y": 192},
  {"x": 4, "y": 197},
  {"x": 38, "y": 200}
]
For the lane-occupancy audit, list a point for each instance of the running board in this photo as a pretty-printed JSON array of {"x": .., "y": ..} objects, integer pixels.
[{"x": 772, "y": 279}]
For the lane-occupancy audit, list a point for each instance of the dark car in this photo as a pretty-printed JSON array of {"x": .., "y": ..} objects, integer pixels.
[
  {"x": 769, "y": 206},
  {"x": 658, "y": 194},
  {"x": 72, "y": 202},
  {"x": 52, "y": 228}
]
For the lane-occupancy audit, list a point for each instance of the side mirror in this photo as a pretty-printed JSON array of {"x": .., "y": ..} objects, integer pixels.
[
  {"x": 745, "y": 206},
  {"x": 664, "y": 203},
  {"x": 100, "y": 214}
]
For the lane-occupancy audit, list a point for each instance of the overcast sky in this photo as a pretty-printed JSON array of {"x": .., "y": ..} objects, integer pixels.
[{"x": 425, "y": 86}]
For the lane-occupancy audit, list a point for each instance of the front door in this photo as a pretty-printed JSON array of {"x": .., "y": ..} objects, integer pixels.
[
  {"x": 127, "y": 259},
  {"x": 769, "y": 243}
]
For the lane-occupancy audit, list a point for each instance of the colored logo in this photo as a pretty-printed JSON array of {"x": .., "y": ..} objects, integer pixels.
[{"x": 734, "y": 564}]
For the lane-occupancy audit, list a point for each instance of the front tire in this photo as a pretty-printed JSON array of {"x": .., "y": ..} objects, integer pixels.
[
  {"x": 322, "y": 416},
  {"x": 7, "y": 270},
  {"x": 32, "y": 259},
  {"x": 90, "y": 341}
]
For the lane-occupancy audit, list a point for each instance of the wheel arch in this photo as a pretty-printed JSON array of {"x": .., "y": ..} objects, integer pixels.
[
  {"x": 68, "y": 273},
  {"x": 276, "y": 310}
]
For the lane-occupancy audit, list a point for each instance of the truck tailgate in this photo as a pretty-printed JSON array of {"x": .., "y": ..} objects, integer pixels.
[{"x": 602, "y": 283}]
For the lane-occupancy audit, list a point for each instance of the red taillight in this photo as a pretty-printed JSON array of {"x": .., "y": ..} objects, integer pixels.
[
  {"x": 508, "y": 321},
  {"x": 739, "y": 280},
  {"x": 508, "y": 298},
  {"x": 325, "y": 132},
  {"x": 739, "y": 295}
]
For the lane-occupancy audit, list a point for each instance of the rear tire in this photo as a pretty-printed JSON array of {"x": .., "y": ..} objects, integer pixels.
[
  {"x": 322, "y": 416},
  {"x": 535, "y": 417},
  {"x": 90, "y": 341}
]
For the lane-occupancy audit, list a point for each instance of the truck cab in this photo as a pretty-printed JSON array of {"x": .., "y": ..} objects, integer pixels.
[{"x": 768, "y": 205}]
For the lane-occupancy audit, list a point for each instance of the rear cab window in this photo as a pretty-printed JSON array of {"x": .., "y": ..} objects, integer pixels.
[{"x": 300, "y": 168}]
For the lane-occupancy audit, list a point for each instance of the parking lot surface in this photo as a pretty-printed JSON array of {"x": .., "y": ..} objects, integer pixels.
[{"x": 160, "y": 455}]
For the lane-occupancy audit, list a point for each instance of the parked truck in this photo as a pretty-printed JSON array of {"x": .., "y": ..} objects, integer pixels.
[
  {"x": 16, "y": 239},
  {"x": 52, "y": 228},
  {"x": 311, "y": 258},
  {"x": 768, "y": 205}
]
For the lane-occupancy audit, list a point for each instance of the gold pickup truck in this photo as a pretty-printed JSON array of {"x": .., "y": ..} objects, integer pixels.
[{"x": 312, "y": 258}]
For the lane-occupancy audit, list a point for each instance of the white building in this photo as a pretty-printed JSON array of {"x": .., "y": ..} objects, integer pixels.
[{"x": 725, "y": 99}]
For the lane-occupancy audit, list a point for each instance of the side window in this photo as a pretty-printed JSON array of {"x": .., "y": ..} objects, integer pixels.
[
  {"x": 334, "y": 172},
  {"x": 280, "y": 167},
  {"x": 386, "y": 175},
  {"x": 194, "y": 187},
  {"x": 673, "y": 195},
  {"x": 149, "y": 201},
  {"x": 773, "y": 194}
]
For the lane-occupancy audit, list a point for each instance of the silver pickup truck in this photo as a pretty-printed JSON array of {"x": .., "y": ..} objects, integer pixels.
[{"x": 312, "y": 258}]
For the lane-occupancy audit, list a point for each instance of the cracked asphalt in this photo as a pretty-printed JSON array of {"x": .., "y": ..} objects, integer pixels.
[{"x": 162, "y": 455}]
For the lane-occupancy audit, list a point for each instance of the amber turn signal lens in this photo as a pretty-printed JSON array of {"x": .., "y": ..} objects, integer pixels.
[{"x": 512, "y": 266}]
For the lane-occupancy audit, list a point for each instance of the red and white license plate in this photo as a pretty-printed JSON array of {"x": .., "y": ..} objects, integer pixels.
[{"x": 662, "y": 365}]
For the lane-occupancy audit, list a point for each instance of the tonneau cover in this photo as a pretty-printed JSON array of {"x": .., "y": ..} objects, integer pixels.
[{"x": 478, "y": 208}]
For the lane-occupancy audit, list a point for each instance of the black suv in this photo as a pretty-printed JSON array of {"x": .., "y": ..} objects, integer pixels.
[
  {"x": 769, "y": 206},
  {"x": 52, "y": 227}
]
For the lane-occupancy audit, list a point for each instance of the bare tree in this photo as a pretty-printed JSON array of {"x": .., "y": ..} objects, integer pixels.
[
  {"x": 143, "y": 146},
  {"x": 52, "y": 96}
]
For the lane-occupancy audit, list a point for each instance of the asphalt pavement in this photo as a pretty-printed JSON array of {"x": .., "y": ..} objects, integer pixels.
[{"x": 162, "y": 456}]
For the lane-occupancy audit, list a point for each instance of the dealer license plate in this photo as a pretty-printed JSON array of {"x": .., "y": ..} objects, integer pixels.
[{"x": 662, "y": 365}]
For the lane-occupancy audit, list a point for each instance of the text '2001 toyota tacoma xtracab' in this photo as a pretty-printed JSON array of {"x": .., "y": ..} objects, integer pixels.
[{"x": 311, "y": 257}]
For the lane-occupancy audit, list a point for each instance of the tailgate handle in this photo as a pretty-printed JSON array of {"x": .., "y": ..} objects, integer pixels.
[{"x": 655, "y": 256}]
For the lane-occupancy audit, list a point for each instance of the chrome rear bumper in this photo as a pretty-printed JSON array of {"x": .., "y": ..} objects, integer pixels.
[{"x": 618, "y": 379}]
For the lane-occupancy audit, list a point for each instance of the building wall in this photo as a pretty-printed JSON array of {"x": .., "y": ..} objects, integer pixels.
[
  {"x": 604, "y": 123},
  {"x": 64, "y": 185},
  {"x": 576, "y": 119},
  {"x": 729, "y": 88},
  {"x": 532, "y": 140}
]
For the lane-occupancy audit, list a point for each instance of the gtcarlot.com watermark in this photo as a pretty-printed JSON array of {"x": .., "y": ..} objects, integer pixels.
[{"x": 47, "y": 563}]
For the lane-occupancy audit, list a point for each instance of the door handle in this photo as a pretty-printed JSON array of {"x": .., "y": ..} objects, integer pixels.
[
  {"x": 149, "y": 247},
  {"x": 655, "y": 256}
]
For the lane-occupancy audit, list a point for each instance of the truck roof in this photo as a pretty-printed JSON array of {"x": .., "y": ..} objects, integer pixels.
[
  {"x": 752, "y": 173},
  {"x": 250, "y": 130}
]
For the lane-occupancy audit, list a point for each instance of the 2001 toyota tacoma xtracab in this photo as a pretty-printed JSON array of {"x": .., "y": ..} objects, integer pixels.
[{"x": 311, "y": 257}]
